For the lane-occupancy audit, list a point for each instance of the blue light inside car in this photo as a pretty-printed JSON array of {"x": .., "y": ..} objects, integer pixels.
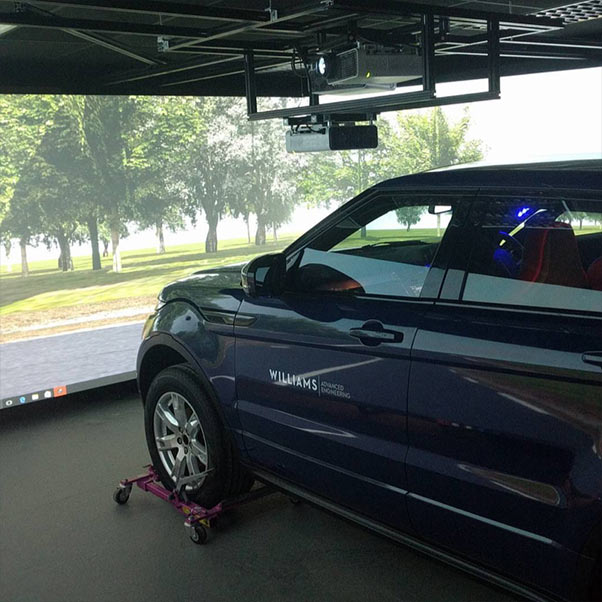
[{"x": 523, "y": 211}]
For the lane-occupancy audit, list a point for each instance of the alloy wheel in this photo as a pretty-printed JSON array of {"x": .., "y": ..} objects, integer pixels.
[{"x": 180, "y": 441}]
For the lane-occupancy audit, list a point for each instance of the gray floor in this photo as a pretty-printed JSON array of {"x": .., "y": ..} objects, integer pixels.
[
  {"x": 92, "y": 356},
  {"x": 63, "y": 538}
]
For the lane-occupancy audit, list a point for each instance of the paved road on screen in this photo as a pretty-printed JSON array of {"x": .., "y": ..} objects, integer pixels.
[{"x": 96, "y": 356}]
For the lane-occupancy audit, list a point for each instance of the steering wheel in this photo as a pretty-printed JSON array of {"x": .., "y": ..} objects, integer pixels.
[{"x": 516, "y": 249}]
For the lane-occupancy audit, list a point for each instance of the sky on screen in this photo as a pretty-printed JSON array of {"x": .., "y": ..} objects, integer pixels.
[{"x": 540, "y": 116}]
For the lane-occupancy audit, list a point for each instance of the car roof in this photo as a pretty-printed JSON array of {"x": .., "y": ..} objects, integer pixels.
[{"x": 583, "y": 174}]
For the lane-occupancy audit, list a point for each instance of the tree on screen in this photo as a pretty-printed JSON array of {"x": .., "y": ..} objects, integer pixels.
[
  {"x": 23, "y": 122},
  {"x": 68, "y": 186},
  {"x": 22, "y": 220},
  {"x": 409, "y": 216},
  {"x": 416, "y": 141},
  {"x": 426, "y": 140},
  {"x": 270, "y": 177},
  {"x": 337, "y": 176},
  {"x": 156, "y": 142},
  {"x": 204, "y": 169},
  {"x": 106, "y": 124}
]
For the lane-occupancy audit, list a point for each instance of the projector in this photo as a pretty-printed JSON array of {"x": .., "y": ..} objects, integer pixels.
[
  {"x": 331, "y": 137},
  {"x": 365, "y": 67}
]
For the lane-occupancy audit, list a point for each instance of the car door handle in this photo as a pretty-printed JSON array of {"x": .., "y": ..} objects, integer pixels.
[
  {"x": 373, "y": 333},
  {"x": 593, "y": 357}
]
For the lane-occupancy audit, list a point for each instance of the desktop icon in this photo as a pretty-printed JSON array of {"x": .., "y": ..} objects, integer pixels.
[
  {"x": 47, "y": 394},
  {"x": 60, "y": 391},
  {"x": 35, "y": 397},
  {"x": 22, "y": 399},
  {"x": 8, "y": 402}
]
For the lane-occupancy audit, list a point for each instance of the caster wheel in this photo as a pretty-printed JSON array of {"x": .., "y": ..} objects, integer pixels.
[
  {"x": 198, "y": 535},
  {"x": 121, "y": 495}
]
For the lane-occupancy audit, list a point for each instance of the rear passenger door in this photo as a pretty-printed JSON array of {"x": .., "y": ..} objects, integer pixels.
[{"x": 505, "y": 395}]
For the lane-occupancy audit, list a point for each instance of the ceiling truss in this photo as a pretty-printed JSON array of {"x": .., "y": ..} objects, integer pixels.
[{"x": 214, "y": 48}]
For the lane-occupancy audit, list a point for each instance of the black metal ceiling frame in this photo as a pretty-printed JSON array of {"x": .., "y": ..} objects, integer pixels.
[
  {"x": 427, "y": 97},
  {"x": 284, "y": 30},
  {"x": 215, "y": 40}
]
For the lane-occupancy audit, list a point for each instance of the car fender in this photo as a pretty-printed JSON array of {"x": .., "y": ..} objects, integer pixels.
[{"x": 180, "y": 332}]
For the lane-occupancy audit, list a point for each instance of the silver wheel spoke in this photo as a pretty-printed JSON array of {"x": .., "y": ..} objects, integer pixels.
[
  {"x": 200, "y": 451},
  {"x": 179, "y": 410},
  {"x": 192, "y": 426},
  {"x": 178, "y": 467},
  {"x": 168, "y": 419},
  {"x": 166, "y": 442},
  {"x": 191, "y": 467}
]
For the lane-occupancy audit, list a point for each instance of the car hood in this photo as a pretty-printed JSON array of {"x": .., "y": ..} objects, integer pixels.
[{"x": 212, "y": 289}]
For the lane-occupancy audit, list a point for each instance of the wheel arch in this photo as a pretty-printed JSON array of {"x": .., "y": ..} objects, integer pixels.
[
  {"x": 162, "y": 350},
  {"x": 156, "y": 359}
]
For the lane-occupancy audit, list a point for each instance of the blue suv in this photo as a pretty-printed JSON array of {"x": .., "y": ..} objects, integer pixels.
[{"x": 426, "y": 361}]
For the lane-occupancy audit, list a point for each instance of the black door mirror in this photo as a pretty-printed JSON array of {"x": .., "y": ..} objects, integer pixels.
[
  {"x": 439, "y": 209},
  {"x": 264, "y": 276}
]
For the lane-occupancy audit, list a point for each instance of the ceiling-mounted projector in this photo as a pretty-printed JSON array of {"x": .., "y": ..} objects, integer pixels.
[
  {"x": 363, "y": 68},
  {"x": 322, "y": 137}
]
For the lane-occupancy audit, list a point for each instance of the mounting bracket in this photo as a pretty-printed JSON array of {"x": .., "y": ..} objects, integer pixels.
[{"x": 425, "y": 17}]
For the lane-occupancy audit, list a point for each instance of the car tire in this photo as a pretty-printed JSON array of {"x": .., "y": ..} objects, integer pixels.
[{"x": 186, "y": 437}]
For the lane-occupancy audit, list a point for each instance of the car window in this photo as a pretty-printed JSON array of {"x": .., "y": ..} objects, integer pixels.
[
  {"x": 385, "y": 247},
  {"x": 537, "y": 252}
]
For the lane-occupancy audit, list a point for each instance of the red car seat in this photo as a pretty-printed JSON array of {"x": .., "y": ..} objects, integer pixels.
[
  {"x": 594, "y": 274},
  {"x": 551, "y": 256}
]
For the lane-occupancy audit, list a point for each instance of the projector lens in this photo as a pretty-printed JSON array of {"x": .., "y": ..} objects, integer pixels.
[{"x": 322, "y": 66}]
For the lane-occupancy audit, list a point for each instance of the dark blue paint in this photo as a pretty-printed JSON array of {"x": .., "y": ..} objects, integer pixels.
[
  {"x": 480, "y": 431},
  {"x": 505, "y": 423},
  {"x": 355, "y": 431},
  {"x": 571, "y": 175}
]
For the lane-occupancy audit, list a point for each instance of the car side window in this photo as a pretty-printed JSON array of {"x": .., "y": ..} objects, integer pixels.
[
  {"x": 385, "y": 247},
  {"x": 537, "y": 252}
]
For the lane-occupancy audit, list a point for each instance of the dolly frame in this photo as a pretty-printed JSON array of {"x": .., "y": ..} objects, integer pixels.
[{"x": 198, "y": 518}]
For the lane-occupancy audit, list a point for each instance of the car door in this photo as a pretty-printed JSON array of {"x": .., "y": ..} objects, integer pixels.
[
  {"x": 505, "y": 400},
  {"x": 322, "y": 370}
]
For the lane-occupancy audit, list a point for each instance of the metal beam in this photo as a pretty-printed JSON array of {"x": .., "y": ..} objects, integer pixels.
[
  {"x": 363, "y": 105},
  {"x": 189, "y": 65},
  {"x": 396, "y": 102},
  {"x": 428, "y": 53},
  {"x": 386, "y": 7},
  {"x": 201, "y": 50},
  {"x": 114, "y": 46},
  {"x": 158, "y": 8},
  {"x": 520, "y": 47},
  {"x": 285, "y": 46},
  {"x": 278, "y": 17},
  {"x": 493, "y": 55},
  {"x": 250, "y": 86},
  {"x": 213, "y": 76},
  {"x": 89, "y": 37},
  {"x": 169, "y": 9},
  {"x": 137, "y": 28},
  {"x": 521, "y": 55},
  {"x": 44, "y": 22},
  {"x": 171, "y": 70},
  {"x": 568, "y": 45}
]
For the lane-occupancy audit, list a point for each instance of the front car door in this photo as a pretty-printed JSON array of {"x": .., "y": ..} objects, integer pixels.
[
  {"x": 322, "y": 370},
  {"x": 505, "y": 402}
]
